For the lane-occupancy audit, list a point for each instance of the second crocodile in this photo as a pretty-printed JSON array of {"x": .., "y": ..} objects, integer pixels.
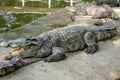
[{"x": 97, "y": 12}]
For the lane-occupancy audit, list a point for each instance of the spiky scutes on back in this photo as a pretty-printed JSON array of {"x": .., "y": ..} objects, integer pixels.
[
  {"x": 72, "y": 37},
  {"x": 69, "y": 37}
]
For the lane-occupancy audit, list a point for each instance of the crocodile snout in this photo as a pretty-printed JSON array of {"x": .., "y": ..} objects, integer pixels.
[{"x": 4, "y": 44}]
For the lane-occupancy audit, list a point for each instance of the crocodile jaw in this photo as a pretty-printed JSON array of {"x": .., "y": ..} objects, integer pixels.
[{"x": 16, "y": 52}]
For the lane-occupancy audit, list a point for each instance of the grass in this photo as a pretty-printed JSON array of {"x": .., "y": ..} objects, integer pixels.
[{"x": 29, "y": 9}]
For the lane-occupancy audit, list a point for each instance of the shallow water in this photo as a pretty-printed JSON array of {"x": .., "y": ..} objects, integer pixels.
[
  {"x": 21, "y": 19},
  {"x": 30, "y": 6}
]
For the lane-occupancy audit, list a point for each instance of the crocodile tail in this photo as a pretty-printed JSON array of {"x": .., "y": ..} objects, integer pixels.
[
  {"x": 31, "y": 60},
  {"x": 105, "y": 24},
  {"x": 108, "y": 29},
  {"x": 12, "y": 65}
]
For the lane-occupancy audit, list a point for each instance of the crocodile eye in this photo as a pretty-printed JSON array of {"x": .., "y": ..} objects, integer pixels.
[
  {"x": 31, "y": 41},
  {"x": 34, "y": 39}
]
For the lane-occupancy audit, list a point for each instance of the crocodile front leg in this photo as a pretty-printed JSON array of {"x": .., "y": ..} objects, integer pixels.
[
  {"x": 90, "y": 42},
  {"x": 58, "y": 54}
]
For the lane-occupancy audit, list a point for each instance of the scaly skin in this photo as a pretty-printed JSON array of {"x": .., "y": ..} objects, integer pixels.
[
  {"x": 53, "y": 45},
  {"x": 112, "y": 3},
  {"x": 14, "y": 64},
  {"x": 97, "y": 12},
  {"x": 60, "y": 41}
]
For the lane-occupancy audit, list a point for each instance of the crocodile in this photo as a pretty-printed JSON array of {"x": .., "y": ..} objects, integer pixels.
[
  {"x": 97, "y": 12},
  {"x": 53, "y": 45},
  {"x": 14, "y": 64},
  {"x": 112, "y": 3}
]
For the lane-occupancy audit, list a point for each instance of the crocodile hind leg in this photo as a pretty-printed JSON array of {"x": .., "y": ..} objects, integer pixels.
[
  {"x": 90, "y": 42},
  {"x": 114, "y": 16},
  {"x": 58, "y": 54}
]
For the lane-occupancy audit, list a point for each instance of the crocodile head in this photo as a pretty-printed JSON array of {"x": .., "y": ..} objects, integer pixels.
[
  {"x": 23, "y": 47},
  {"x": 21, "y": 42}
]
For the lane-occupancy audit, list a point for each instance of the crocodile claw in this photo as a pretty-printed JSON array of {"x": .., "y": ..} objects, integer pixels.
[
  {"x": 50, "y": 59},
  {"x": 91, "y": 49},
  {"x": 55, "y": 58}
]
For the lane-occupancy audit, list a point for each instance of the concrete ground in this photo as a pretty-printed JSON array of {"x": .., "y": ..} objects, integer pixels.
[{"x": 77, "y": 66}]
